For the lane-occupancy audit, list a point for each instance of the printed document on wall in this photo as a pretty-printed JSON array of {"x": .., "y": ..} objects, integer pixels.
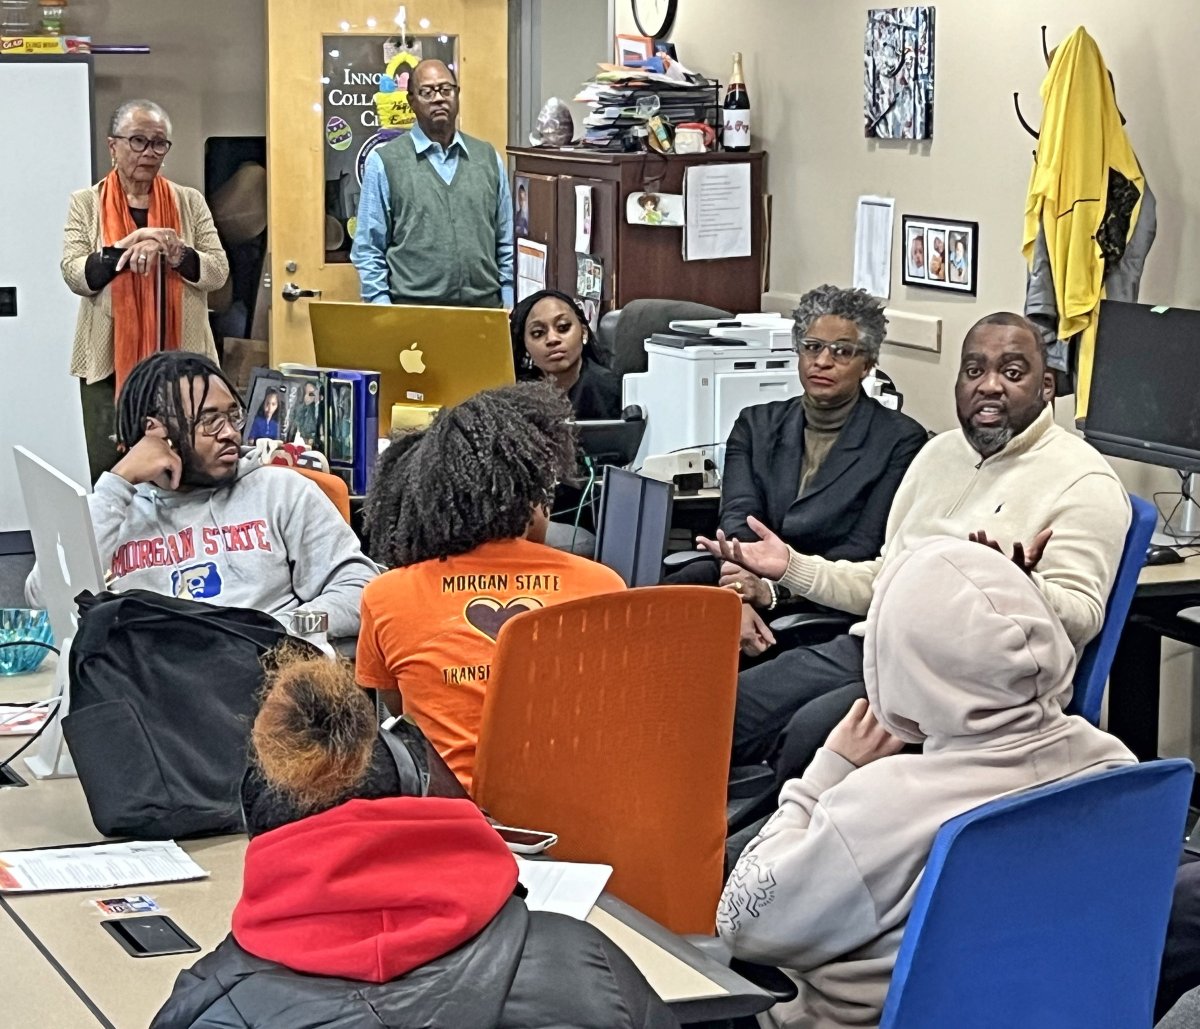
[
  {"x": 531, "y": 267},
  {"x": 717, "y": 205},
  {"x": 873, "y": 246}
]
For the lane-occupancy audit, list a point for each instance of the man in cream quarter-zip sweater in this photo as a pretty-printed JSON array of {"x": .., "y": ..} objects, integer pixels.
[{"x": 1011, "y": 478}]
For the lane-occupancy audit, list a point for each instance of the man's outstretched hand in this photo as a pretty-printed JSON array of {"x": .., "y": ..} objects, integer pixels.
[
  {"x": 1024, "y": 557},
  {"x": 768, "y": 556}
]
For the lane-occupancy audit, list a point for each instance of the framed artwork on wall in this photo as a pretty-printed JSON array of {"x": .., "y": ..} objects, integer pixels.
[
  {"x": 940, "y": 253},
  {"x": 898, "y": 73}
]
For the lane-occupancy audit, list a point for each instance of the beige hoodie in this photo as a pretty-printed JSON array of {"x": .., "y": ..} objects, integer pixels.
[{"x": 964, "y": 654}]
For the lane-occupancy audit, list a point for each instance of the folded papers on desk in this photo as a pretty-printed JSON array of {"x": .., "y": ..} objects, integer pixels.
[
  {"x": 565, "y": 887},
  {"x": 97, "y": 867}
]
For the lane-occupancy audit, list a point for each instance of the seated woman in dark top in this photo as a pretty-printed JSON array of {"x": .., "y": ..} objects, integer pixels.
[
  {"x": 820, "y": 469},
  {"x": 552, "y": 340}
]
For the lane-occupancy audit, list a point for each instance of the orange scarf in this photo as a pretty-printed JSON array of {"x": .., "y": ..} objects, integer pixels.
[{"x": 134, "y": 296}]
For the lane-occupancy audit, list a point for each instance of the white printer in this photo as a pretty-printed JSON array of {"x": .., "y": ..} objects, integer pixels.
[{"x": 701, "y": 375}]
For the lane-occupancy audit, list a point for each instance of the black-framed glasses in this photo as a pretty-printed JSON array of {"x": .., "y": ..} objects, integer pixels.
[
  {"x": 841, "y": 351},
  {"x": 445, "y": 91},
  {"x": 138, "y": 144},
  {"x": 211, "y": 423}
]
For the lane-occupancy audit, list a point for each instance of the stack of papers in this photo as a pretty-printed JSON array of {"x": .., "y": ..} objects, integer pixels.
[
  {"x": 614, "y": 93},
  {"x": 98, "y": 867}
]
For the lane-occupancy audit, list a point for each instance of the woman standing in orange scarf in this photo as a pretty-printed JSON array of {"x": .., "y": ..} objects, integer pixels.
[{"x": 117, "y": 233}]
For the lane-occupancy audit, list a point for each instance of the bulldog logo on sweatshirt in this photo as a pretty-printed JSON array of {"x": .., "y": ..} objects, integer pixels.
[{"x": 198, "y": 582}]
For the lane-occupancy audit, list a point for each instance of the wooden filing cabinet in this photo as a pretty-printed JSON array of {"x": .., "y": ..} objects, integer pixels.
[{"x": 639, "y": 261}]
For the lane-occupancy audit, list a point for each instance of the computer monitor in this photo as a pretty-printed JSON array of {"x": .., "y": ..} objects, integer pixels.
[
  {"x": 634, "y": 523},
  {"x": 1145, "y": 394},
  {"x": 426, "y": 356},
  {"x": 611, "y": 441}
]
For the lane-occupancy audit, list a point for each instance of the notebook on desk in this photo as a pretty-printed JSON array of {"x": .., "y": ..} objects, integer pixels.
[{"x": 426, "y": 356}]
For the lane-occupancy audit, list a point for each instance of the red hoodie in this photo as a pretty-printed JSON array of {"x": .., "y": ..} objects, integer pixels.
[{"x": 372, "y": 889}]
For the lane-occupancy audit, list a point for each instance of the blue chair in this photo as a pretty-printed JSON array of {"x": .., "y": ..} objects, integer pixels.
[
  {"x": 1091, "y": 675},
  {"x": 1047, "y": 908}
]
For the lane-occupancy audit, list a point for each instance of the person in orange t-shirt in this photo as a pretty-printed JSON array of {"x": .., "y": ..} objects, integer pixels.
[{"x": 460, "y": 511}]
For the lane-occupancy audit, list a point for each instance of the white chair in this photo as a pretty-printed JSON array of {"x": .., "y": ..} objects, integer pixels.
[{"x": 68, "y": 562}]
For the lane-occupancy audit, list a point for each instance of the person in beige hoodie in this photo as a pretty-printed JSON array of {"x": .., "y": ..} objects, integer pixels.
[{"x": 964, "y": 655}]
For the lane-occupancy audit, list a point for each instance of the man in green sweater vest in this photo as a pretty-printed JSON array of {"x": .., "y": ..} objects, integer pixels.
[{"x": 435, "y": 219}]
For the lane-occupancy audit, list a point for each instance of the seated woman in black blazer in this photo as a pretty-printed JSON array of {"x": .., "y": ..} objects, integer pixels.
[
  {"x": 820, "y": 469},
  {"x": 551, "y": 339}
]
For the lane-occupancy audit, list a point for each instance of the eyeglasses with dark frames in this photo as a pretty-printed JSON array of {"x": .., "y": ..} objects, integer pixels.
[
  {"x": 841, "y": 351},
  {"x": 210, "y": 423},
  {"x": 445, "y": 91},
  {"x": 138, "y": 144}
]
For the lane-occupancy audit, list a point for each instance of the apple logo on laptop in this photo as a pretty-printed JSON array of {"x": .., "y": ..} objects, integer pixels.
[{"x": 412, "y": 360}]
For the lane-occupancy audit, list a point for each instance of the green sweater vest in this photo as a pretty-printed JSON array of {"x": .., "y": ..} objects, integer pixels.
[{"x": 442, "y": 242}]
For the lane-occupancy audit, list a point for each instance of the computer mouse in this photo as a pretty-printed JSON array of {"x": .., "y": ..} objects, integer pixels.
[{"x": 1162, "y": 556}]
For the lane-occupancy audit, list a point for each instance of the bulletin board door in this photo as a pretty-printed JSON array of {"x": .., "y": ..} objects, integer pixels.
[{"x": 319, "y": 113}]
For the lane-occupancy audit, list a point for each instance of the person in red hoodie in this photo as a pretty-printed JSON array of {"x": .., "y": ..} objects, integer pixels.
[{"x": 362, "y": 907}]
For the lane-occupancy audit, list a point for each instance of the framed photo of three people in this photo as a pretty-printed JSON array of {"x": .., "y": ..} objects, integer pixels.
[{"x": 940, "y": 254}]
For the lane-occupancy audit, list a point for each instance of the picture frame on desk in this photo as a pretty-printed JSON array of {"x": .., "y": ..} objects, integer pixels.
[
  {"x": 632, "y": 48},
  {"x": 266, "y": 407}
]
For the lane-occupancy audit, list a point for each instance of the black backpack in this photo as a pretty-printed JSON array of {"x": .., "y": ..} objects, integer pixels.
[{"x": 162, "y": 696}]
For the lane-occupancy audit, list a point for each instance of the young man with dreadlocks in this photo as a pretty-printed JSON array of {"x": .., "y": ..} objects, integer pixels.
[
  {"x": 181, "y": 513},
  {"x": 460, "y": 511}
]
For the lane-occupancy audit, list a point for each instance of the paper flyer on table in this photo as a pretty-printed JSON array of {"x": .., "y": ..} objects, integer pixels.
[
  {"x": 99, "y": 867},
  {"x": 565, "y": 887}
]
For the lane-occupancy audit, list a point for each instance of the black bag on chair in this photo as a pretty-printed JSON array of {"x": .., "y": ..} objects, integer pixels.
[{"x": 162, "y": 696}]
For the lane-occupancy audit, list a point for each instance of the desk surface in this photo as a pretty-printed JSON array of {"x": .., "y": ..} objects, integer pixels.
[
  {"x": 1170, "y": 580},
  {"x": 128, "y": 991},
  {"x": 36, "y": 994}
]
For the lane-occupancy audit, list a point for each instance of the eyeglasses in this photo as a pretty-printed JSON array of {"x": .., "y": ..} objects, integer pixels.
[
  {"x": 841, "y": 352},
  {"x": 211, "y": 423},
  {"x": 138, "y": 144},
  {"x": 445, "y": 91}
]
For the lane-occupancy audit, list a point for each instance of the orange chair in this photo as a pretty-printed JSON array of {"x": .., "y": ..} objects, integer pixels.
[
  {"x": 609, "y": 721},
  {"x": 332, "y": 486}
]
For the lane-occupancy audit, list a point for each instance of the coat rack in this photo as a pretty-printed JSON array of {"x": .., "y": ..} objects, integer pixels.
[{"x": 1046, "y": 53}]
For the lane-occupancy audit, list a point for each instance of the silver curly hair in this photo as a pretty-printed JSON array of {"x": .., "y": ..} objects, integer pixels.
[
  {"x": 855, "y": 305},
  {"x": 127, "y": 108}
]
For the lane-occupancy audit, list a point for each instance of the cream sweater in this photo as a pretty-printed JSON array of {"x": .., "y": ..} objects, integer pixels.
[
  {"x": 1045, "y": 478},
  {"x": 92, "y": 353},
  {"x": 964, "y": 654}
]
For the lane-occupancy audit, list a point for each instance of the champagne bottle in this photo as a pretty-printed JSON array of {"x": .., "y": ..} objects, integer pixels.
[{"x": 735, "y": 116}]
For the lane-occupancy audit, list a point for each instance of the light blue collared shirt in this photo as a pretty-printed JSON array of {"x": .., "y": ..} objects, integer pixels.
[{"x": 369, "y": 251}]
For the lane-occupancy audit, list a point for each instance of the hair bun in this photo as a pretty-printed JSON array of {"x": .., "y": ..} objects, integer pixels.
[{"x": 313, "y": 737}]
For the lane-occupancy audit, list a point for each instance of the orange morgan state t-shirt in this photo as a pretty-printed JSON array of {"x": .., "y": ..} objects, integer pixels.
[{"x": 429, "y": 630}]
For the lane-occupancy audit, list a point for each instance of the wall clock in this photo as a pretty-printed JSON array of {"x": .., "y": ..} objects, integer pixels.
[{"x": 654, "y": 17}]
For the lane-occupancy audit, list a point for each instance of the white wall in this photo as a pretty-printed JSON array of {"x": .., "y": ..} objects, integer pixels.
[
  {"x": 207, "y": 67},
  {"x": 574, "y": 39},
  {"x": 804, "y": 70},
  {"x": 38, "y": 398}
]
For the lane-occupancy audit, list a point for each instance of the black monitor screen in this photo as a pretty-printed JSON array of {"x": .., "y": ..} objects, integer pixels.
[
  {"x": 635, "y": 519},
  {"x": 1145, "y": 397}
]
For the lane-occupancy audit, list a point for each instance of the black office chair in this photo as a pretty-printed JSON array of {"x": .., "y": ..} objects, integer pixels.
[{"x": 622, "y": 333}]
